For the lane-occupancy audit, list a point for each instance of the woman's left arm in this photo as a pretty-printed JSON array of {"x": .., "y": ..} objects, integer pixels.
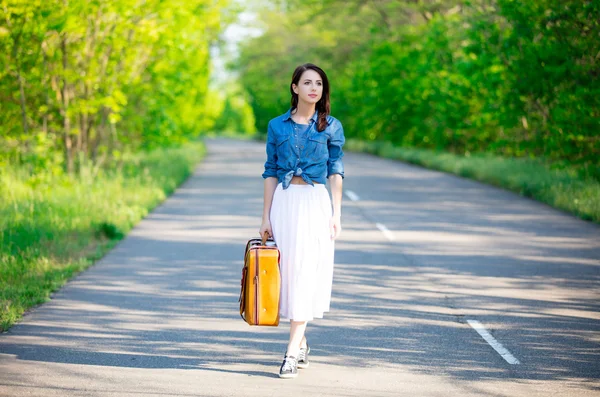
[
  {"x": 335, "y": 174},
  {"x": 335, "y": 224}
]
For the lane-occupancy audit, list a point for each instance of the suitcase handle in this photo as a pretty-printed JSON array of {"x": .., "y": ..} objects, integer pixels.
[{"x": 265, "y": 237}]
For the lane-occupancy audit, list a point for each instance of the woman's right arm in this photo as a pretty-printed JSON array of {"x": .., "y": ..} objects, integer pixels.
[
  {"x": 270, "y": 176},
  {"x": 270, "y": 185}
]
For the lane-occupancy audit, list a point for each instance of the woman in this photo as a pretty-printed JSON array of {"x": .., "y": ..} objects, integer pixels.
[{"x": 304, "y": 150}]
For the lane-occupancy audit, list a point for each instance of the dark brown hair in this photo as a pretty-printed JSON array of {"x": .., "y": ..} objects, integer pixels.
[{"x": 323, "y": 105}]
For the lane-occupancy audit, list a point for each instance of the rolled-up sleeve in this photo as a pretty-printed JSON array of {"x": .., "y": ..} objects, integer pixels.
[
  {"x": 271, "y": 163},
  {"x": 337, "y": 140}
]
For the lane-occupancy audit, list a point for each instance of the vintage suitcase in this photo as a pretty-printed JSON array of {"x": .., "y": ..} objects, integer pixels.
[{"x": 261, "y": 283}]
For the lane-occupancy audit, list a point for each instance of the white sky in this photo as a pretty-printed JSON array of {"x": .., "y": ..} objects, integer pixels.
[{"x": 244, "y": 28}]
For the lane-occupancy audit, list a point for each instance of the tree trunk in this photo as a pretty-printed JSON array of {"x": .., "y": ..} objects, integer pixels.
[
  {"x": 78, "y": 143},
  {"x": 22, "y": 99},
  {"x": 47, "y": 95},
  {"x": 68, "y": 144},
  {"x": 15, "y": 56},
  {"x": 99, "y": 136}
]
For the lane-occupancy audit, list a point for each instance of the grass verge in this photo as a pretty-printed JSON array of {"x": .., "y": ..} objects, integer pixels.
[
  {"x": 53, "y": 227},
  {"x": 561, "y": 189}
]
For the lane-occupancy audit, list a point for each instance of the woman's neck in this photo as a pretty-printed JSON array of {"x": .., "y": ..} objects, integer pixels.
[{"x": 304, "y": 111}]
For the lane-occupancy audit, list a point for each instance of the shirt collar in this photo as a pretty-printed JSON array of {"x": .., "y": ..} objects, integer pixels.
[{"x": 288, "y": 115}]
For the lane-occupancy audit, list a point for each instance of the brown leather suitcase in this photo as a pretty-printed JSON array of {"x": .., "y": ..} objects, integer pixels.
[{"x": 261, "y": 283}]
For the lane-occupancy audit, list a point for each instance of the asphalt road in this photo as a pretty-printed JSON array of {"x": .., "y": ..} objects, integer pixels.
[{"x": 422, "y": 255}]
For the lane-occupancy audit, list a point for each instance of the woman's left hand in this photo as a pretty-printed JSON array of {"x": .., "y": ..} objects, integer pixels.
[{"x": 335, "y": 226}]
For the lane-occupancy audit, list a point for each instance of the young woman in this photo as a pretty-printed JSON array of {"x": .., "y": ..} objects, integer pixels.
[{"x": 304, "y": 150}]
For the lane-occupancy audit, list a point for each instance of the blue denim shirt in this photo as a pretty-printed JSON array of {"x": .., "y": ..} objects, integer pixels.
[{"x": 314, "y": 156}]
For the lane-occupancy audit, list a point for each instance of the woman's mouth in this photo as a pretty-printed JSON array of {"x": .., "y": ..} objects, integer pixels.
[{"x": 312, "y": 95}]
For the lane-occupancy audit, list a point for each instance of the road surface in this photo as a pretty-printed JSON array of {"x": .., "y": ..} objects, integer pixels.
[{"x": 442, "y": 287}]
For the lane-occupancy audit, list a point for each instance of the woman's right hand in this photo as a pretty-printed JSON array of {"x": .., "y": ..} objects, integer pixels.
[{"x": 265, "y": 227}]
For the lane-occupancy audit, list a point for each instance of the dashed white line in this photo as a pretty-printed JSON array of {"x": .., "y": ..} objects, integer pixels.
[
  {"x": 354, "y": 197},
  {"x": 385, "y": 231},
  {"x": 351, "y": 195},
  {"x": 477, "y": 326},
  {"x": 506, "y": 355}
]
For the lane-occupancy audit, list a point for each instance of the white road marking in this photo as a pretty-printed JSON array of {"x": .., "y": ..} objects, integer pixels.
[
  {"x": 385, "y": 231},
  {"x": 477, "y": 326},
  {"x": 352, "y": 196}
]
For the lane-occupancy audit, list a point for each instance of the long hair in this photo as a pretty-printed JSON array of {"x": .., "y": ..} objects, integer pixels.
[{"x": 322, "y": 106}]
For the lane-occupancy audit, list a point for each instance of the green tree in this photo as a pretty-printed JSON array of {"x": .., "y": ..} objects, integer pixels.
[{"x": 82, "y": 82}]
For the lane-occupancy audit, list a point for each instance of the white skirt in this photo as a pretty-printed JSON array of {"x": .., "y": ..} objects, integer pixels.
[{"x": 300, "y": 218}]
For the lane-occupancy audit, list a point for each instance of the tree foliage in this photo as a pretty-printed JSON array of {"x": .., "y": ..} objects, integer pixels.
[
  {"x": 85, "y": 81},
  {"x": 501, "y": 76}
]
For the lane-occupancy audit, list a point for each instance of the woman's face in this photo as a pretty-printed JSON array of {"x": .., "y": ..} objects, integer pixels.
[{"x": 310, "y": 87}]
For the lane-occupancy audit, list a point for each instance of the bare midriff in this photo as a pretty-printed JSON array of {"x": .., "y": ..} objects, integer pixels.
[{"x": 296, "y": 180}]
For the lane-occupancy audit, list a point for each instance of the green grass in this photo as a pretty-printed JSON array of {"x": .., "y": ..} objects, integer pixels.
[
  {"x": 53, "y": 227},
  {"x": 561, "y": 189}
]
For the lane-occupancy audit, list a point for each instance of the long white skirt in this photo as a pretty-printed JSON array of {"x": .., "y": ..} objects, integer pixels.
[{"x": 300, "y": 218}]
